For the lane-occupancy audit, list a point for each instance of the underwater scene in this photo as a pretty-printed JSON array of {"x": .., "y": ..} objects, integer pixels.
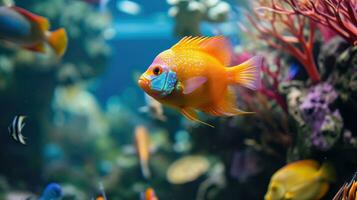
[{"x": 178, "y": 99}]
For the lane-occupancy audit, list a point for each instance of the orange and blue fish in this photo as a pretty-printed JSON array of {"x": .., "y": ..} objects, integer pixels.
[
  {"x": 148, "y": 195},
  {"x": 194, "y": 75},
  {"x": 142, "y": 143},
  {"x": 30, "y": 31}
]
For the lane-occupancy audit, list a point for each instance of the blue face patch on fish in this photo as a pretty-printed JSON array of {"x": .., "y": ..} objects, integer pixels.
[{"x": 164, "y": 83}]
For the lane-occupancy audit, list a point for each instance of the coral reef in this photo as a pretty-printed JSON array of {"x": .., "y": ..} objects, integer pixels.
[
  {"x": 338, "y": 15},
  {"x": 286, "y": 33},
  {"x": 189, "y": 14},
  {"x": 304, "y": 108}
]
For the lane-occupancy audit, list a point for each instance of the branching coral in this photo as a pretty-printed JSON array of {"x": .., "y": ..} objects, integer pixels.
[
  {"x": 286, "y": 32},
  {"x": 272, "y": 91},
  {"x": 339, "y": 15}
]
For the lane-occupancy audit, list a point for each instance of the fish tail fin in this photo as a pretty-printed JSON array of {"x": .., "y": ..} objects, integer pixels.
[
  {"x": 145, "y": 170},
  {"x": 247, "y": 74},
  {"x": 327, "y": 172},
  {"x": 226, "y": 106},
  {"x": 58, "y": 41}
]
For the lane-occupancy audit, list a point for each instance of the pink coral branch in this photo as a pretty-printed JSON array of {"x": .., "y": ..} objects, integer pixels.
[
  {"x": 339, "y": 15},
  {"x": 294, "y": 25}
]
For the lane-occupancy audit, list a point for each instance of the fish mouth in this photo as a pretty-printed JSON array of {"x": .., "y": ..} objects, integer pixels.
[{"x": 143, "y": 82}]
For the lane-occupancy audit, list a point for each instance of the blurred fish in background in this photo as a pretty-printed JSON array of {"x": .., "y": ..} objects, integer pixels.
[
  {"x": 53, "y": 191},
  {"x": 142, "y": 143},
  {"x": 30, "y": 31},
  {"x": 153, "y": 108},
  {"x": 15, "y": 129},
  {"x": 149, "y": 194},
  {"x": 299, "y": 180}
]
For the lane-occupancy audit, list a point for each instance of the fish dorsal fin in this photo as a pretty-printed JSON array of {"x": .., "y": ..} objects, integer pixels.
[
  {"x": 303, "y": 163},
  {"x": 40, "y": 21},
  {"x": 217, "y": 46}
]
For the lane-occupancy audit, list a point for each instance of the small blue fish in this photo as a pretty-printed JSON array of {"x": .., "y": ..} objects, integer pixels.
[
  {"x": 15, "y": 129},
  {"x": 53, "y": 191},
  {"x": 293, "y": 71}
]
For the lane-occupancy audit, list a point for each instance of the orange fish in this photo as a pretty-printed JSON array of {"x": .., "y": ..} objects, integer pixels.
[
  {"x": 149, "y": 195},
  {"x": 194, "y": 75},
  {"x": 30, "y": 31},
  {"x": 142, "y": 142},
  {"x": 100, "y": 197}
]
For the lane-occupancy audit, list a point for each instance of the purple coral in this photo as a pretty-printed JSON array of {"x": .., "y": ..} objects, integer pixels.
[{"x": 325, "y": 123}]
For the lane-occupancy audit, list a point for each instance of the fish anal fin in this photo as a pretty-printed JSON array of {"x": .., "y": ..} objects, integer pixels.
[
  {"x": 217, "y": 46},
  {"x": 40, "y": 47},
  {"x": 39, "y": 20},
  {"x": 226, "y": 106},
  {"x": 191, "y": 114},
  {"x": 302, "y": 164}
]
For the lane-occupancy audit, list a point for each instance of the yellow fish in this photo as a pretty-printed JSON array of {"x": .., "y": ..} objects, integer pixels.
[
  {"x": 300, "y": 180},
  {"x": 194, "y": 75}
]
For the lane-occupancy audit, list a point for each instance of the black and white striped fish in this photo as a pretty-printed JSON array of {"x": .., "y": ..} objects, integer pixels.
[{"x": 16, "y": 127}]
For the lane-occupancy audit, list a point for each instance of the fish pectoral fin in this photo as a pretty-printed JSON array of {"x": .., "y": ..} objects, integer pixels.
[
  {"x": 191, "y": 114},
  {"x": 192, "y": 84},
  {"x": 288, "y": 196},
  {"x": 40, "y": 47},
  {"x": 226, "y": 106}
]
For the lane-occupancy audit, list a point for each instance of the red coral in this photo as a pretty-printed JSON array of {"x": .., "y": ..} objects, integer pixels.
[
  {"x": 271, "y": 89},
  {"x": 285, "y": 31},
  {"x": 339, "y": 15}
]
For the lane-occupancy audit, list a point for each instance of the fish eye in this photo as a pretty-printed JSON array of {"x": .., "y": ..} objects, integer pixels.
[{"x": 157, "y": 70}]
